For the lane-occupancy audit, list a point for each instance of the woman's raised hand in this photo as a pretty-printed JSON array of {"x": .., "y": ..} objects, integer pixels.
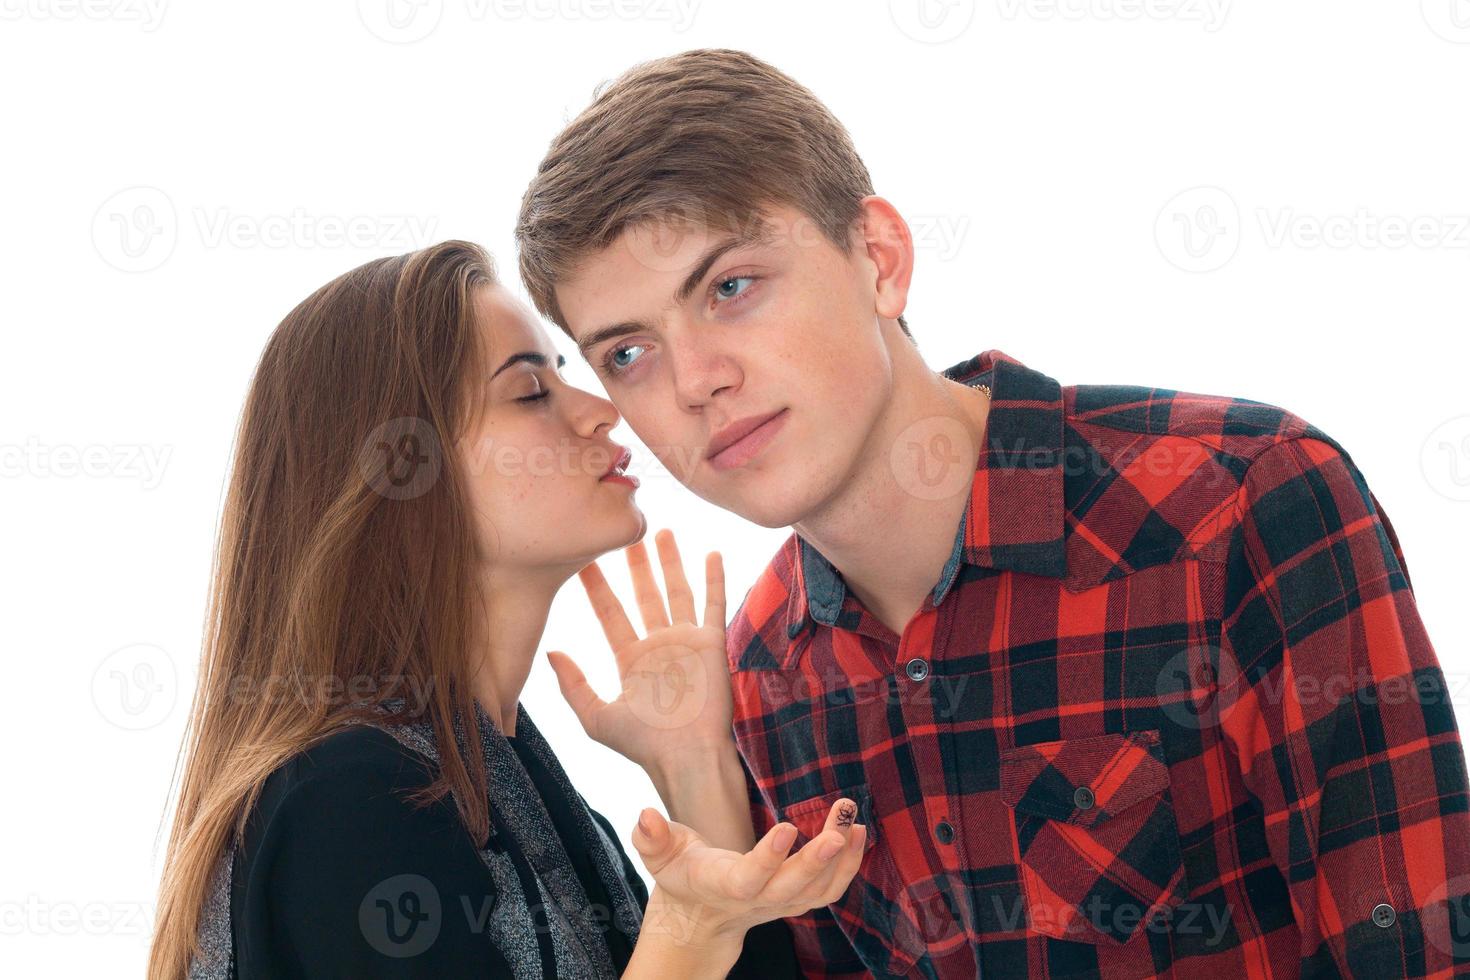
[{"x": 675, "y": 696}]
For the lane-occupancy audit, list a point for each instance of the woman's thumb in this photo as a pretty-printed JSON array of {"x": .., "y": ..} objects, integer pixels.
[
  {"x": 574, "y": 687},
  {"x": 652, "y": 835}
]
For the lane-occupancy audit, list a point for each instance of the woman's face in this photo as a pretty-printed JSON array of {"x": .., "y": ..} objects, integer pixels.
[{"x": 534, "y": 460}]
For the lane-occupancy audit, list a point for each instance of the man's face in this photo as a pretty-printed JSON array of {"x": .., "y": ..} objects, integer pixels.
[{"x": 693, "y": 330}]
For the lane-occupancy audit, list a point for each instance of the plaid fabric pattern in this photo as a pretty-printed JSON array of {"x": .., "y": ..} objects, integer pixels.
[{"x": 1170, "y": 710}]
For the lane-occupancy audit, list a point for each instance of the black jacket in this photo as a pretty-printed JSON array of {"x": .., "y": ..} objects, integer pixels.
[{"x": 338, "y": 876}]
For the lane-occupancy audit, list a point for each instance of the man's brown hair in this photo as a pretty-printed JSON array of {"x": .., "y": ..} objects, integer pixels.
[{"x": 709, "y": 137}]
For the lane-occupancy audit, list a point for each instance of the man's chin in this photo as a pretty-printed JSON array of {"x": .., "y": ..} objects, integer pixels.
[{"x": 759, "y": 505}]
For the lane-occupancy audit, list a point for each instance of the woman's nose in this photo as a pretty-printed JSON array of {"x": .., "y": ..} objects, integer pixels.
[{"x": 595, "y": 414}]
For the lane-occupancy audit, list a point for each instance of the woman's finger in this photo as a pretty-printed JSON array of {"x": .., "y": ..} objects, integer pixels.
[
  {"x": 832, "y": 882},
  {"x": 658, "y": 841},
  {"x": 714, "y": 589},
  {"x": 809, "y": 871},
  {"x": 650, "y": 603},
  {"x": 681, "y": 597},
  {"x": 609, "y": 610},
  {"x": 844, "y": 866},
  {"x": 751, "y": 873}
]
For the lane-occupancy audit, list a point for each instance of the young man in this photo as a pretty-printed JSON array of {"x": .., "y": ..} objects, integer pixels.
[{"x": 1126, "y": 681}]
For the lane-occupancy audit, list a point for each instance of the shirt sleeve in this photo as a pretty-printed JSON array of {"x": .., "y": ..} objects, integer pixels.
[
  {"x": 813, "y": 945},
  {"x": 1338, "y": 715},
  {"x": 346, "y": 879}
]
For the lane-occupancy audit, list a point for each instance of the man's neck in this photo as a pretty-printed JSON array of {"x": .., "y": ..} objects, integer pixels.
[{"x": 892, "y": 528}]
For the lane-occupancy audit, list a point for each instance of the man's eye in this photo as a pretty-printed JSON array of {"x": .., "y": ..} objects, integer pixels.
[
  {"x": 536, "y": 397},
  {"x": 732, "y": 287},
  {"x": 614, "y": 363}
]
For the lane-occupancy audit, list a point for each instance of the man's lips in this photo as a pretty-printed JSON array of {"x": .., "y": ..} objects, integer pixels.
[
  {"x": 751, "y": 436},
  {"x": 736, "y": 431}
]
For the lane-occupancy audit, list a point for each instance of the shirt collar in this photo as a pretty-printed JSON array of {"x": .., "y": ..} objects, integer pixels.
[{"x": 1016, "y": 517}]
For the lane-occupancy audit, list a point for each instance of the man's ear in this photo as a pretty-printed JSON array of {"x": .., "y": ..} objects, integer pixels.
[{"x": 890, "y": 249}]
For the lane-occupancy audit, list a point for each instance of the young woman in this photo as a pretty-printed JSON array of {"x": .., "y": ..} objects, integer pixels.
[{"x": 363, "y": 793}]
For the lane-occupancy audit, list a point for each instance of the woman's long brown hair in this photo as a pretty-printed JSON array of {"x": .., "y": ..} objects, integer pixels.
[{"x": 344, "y": 573}]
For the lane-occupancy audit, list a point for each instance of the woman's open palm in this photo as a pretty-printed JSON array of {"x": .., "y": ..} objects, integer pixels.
[
  {"x": 675, "y": 694},
  {"x": 700, "y": 888}
]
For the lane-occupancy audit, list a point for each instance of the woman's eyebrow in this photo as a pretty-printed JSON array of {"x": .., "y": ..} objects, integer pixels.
[{"x": 530, "y": 357}]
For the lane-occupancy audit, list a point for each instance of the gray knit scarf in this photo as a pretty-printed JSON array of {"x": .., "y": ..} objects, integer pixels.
[{"x": 575, "y": 929}]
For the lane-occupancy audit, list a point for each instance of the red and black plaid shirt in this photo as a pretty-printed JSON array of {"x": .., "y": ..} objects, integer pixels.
[{"x": 1170, "y": 710}]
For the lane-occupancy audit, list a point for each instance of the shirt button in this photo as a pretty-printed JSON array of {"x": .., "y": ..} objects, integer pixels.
[
  {"x": 917, "y": 669},
  {"x": 1383, "y": 916},
  {"x": 1083, "y": 798},
  {"x": 944, "y": 832}
]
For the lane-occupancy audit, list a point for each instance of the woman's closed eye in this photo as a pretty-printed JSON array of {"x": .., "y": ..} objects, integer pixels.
[{"x": 537, "y": 395}]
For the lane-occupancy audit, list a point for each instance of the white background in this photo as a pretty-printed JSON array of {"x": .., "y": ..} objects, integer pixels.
[{"x": 1253, "y": 199}]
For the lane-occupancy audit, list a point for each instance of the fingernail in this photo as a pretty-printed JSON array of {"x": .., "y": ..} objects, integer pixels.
[
  {"x": 829, "y": 848},
  {"x": 644, "y": 824},
  {"x": 782, "y": 838}
]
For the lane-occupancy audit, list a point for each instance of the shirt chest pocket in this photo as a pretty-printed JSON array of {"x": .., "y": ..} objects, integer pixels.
[{"x": 1098, "y": 848}]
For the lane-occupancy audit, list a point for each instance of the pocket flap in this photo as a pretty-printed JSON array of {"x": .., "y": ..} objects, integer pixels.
[
  {"x": 1083, "y": 781},
  {"x": 809, "y": 816}
]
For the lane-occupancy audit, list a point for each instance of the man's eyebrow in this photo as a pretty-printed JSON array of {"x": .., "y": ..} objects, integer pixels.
[
  {"x": 529, "y": 357},
  {"x": 750, "y": 236},
  {"x": 585, "y": 345}
]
